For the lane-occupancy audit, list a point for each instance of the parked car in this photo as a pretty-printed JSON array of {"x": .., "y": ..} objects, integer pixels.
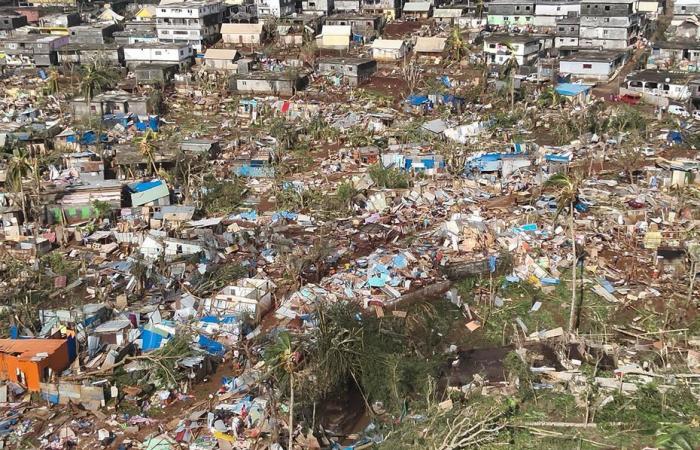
[
  {"x": 648, "y": 151},
  {"x": 629, "y": 99},
  {"x": 678, "y": 110},
  {"x": 696, "y": 114}
]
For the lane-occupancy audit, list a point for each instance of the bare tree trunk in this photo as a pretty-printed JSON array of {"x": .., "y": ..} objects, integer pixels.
[
  {"x": 572, "y": 312},
  {"x": 291, "y": 410}
]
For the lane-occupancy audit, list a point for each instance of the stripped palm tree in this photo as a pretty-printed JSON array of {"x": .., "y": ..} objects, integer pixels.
[
  {"x": 456, "y": 46},
  {"x": 18, "y": 168},
  {"x": 567, "y": 192},
  {"x": 550, "y": 98},
  {"x": 282, "y": 360},
  {"x": 147, "y": 147},
  {"x": 509, "y": 69}
]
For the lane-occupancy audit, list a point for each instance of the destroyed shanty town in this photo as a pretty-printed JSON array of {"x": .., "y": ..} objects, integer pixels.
[{"x": 265, "y": 224}]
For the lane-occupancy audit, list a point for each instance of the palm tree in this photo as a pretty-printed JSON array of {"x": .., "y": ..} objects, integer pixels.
[
  {"x": 95, "y": 78},
  {"x": 282, "y": 360},
  {"x": 509, "y": 69},
  {"x": 148, "y": 148},
  {"x": 567, "y": 191},
  {"x": 52, "y": 82},
  {"x": 479, "y": 8},
  {"x": 456, "y": 47},
  {"x": 19, "y": 168}
]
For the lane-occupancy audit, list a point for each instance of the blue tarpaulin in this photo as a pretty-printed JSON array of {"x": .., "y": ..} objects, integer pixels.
[
  {"x": 446, "y": 81},
  {"x": 417, "y": 100},
  {"x": 675, "y": 137},
  {"x": 571, "y": 89},
  {"x": 150, "y": 340},
  {"x": 211, "y": 346}
]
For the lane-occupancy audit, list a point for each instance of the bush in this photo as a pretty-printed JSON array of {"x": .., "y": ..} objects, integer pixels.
[{"x": 388, "y": 178}]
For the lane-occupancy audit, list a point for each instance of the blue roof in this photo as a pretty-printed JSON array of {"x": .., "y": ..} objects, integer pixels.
[
  {"x": 571, "y": 89},
  {"x": 146, "y": 185}
]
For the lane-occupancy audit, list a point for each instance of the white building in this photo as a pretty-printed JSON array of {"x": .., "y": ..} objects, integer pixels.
[
  {"x": 324, "y": 6},
  {"x": 150, "y": 53},
  {"x": 590, "y": 65},
  {"x": 609, "y": 24},
  {"x": 524, "y": 47},
  {"x": 196, "y": 23},
  {"x": 548, "y": 11},
  {"x": 389, "y": 49},
  {"x": 275, "y": 8},
  {"x": 684, "y": 9},
  {"x": 658, "y": 83},
  {"x": 242, "y": 33}
]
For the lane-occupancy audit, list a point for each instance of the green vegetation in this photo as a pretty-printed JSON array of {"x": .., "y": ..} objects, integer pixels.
[
  {"x": 388, "y": 178},
  {"x": 222, "y": 197}
]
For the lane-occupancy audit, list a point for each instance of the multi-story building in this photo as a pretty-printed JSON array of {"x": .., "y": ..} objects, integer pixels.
[
  {"x": 322, "y": 6},
  {"x": 195, "y": 23},
  {"x": 341, "y": 6},
  {"x": 511, "y": 12},
  {"x": 9, "y": 22},
  {"x": 364, "y": 24},
  {"x": 275, "y": 8},
  {"x": 567, "y": 32},
  {"x": 548, "y": 11},
  {"x": 33, "y": 49},
  {"x": 391, "y": 9},
  {"x": 609, "y": 24},
  {"x": 180, "y": 54},
  {"x": 684, "y": 9},
  {"x": 97, "y": 33},
  {"x": 499, "y": 47}
]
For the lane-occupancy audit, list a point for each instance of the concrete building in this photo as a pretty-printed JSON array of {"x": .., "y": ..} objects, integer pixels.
[
  {"x": 511, "y": 12},
  {"x": 321, "y": 6},
  {"x": 242, "y": 33},
  {"x": 32, "y": 361},
  {"x": 9, "y": 22},
  {"x": 525, "y": 48},
  {"x": 181, "y": 54},
  {"x": 195, "y": 23},
  {"x": 97, "y": 33},
  {"x": 113, "y": 102},
  {"x": 272, "y": 83},
  {"x": 364, "y": 24},
  {"x": 275, "y": 8},
  {"x": 684, "y": 9},
  {"x": 417, "y": 10},
  {"x": 89, "y": 53},
  {"x": 449, "y": 14},
  {"x": 608, "y": 24},
  {"x": 335, "y": 37},
  {"x": 33, "y": 49},
  {"x": 389, "y": 49},
  {"x": 348, "y": 6},
  {"x": 155, "y": 73},
  {"x": 548, "y": 11},
  {"x": 592, "y": 65},
  {"x": 390, "y": 9},
  {"x": 221, "y": 59},
  {"x": 567, "y": 33},
  {"x": 658, "y": 83},
  {"x": 681, "y": 55},
  {"x": 352, "y": 71}
]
